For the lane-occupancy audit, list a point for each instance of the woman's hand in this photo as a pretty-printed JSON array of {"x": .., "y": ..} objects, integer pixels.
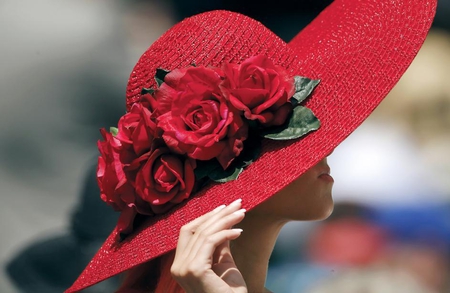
[{"x": 203, "y": 261}]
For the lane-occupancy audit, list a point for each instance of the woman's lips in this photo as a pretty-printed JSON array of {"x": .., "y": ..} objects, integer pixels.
[{"x": 325, "y": 175}]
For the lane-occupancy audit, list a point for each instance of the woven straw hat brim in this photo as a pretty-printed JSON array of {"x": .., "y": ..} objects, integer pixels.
[{"x": 358, "y": 49}]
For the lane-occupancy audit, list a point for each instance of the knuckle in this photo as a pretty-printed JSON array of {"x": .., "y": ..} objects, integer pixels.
[
  {"x": 190, "y": 271},
  {"x": 194, "y": 270},
  {"x": 175, "y": 271},
  {"x": 187, "y": 229},
  {"x": 179, "y": 272}
]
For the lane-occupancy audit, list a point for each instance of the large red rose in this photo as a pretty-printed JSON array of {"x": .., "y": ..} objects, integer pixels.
[
  {"x": 260, "y": 89},
  {"x": 196, "y": 119},
  {"x": 115, "y": 173},
  {"x": 165, "y": 179},
  {"x": 115, "y": 189}
]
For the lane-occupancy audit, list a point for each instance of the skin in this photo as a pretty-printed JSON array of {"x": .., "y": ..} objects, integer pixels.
[{"x": 206, "y": 262}]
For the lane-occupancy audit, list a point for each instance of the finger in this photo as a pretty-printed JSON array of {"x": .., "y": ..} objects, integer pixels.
[
  {"x": 185, "y": 241},
  {"x": 210, "y": 244},
  {"x": 187, "y": 230},
  {"x": 192, "y": 232},
  {"x": 219, "y": 215},
  {"x": 190, "y": 227},
  {"x": 196, "y": 265},
  {"x": 204, "y": 232},
  {"x": 225, "y": 222}
]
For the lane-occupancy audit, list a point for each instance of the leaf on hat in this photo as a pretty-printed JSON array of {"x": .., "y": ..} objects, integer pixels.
[
  {"x": 222, "y": 176},
  {"x": 160, "y": 75},
  {"x": 114, "y": 130},
  {"x": 300, "y": 123},
  {"x": 145, "y": 91},
  {"x": 303, "y": 88},
  {"x": 214, "y": 171}
]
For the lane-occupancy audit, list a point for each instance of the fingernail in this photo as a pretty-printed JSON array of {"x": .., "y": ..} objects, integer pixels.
[
  {"x": 219, "y": 208},
  {"x": 241, "y": 211},
  {"x": 236, "y": 201},
  {"x": 237, "y": 230}
]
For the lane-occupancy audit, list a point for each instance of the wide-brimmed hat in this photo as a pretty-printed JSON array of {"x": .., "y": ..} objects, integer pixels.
[{"x": 357, "y": 49}]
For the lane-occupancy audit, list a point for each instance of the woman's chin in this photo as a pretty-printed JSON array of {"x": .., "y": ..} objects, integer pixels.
[
  {"x": 327, "y": 211},
  {"x": 321, "y": 211}
]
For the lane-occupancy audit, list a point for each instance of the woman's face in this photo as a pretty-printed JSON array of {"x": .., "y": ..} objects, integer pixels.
[{"x": 306, "y": 198}]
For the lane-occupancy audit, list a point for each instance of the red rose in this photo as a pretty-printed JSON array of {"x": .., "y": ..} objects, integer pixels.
[
  {"x": 115, "y": 189},
  {"x": 165, "y": 179},
  {"x": 136, "y": 131},
  {"x": 260, "y": 89},
  {"x": 196, "y": 119},
  {"x": 148, "y": 101}
]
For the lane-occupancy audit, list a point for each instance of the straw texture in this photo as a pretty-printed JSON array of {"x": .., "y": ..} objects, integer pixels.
[{"x": 358, "y": 49}]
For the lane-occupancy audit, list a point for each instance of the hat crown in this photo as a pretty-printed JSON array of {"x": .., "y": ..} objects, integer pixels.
[{"x": 208, "y": 39}]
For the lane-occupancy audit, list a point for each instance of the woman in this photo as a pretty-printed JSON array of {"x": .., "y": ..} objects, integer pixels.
[
  {"x": 221, "y": 109},
  {"x": 203, "y": 247},
  {"x": 307, "y": 198}
]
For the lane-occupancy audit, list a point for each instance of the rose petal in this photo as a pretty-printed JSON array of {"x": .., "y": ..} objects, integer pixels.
[
  {"x": 280, "y": 115},
  {"x": 126, "y": 219}
]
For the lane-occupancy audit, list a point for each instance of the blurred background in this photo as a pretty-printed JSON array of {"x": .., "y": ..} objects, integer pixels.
[{"x": 63, "y": 74}]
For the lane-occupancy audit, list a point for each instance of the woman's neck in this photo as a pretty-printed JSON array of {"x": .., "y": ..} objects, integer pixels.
[{"x": 252, "y": 250}]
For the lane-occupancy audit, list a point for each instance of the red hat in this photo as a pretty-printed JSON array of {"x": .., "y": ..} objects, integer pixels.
[{"x": 357, "y": 49}]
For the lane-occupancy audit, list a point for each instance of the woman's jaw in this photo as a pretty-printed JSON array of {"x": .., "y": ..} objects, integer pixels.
[{"x": 306, "y": 198}]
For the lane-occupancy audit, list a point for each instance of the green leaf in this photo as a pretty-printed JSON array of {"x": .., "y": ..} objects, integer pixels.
[
  {"x": 303, "y": 88},
  {"x": 114, "y": 130},
  {"x": 300, "y": 123},
  {"x": 145, "y": 91},
  {"x": 222, "y": 176},
  {"x": 214, "y": 171},
  {"x": 160, "y": 75}
]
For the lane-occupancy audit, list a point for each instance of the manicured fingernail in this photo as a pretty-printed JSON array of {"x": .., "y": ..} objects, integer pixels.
[
  {"x": 241, "y": 211},
  {"x": 219, "y": 208},
  {"x": 236, "y": 201},
  {"x": 237, "y": 230}
]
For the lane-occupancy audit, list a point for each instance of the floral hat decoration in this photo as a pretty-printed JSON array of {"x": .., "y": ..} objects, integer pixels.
[
  {"x": 220, "y": 108},
  {"x": 199, "y": 124}
]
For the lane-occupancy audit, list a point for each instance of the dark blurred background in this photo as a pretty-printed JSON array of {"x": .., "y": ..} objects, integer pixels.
[{"x": 63, "y": 74}]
